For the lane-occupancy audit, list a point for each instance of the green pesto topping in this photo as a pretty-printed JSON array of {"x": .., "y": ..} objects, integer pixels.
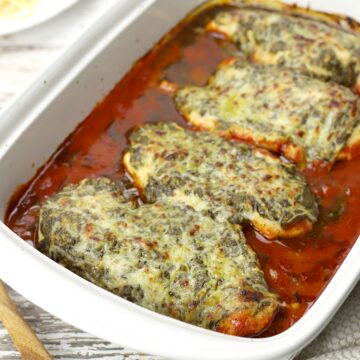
[
  {"x": 313, "y": 47},
  {"x": 272, "y": 106},
  {"x": 166, "y": 256},
  {"x": 227, "y": 179}
]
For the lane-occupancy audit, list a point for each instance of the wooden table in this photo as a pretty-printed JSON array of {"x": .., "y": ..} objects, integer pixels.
[{"x": 22, "y": 56}]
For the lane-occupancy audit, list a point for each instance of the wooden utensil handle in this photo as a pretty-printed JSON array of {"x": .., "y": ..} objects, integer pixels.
[{"x": 22, "y": 335}]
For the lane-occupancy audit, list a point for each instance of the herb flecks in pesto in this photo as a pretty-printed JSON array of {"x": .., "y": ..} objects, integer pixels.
[
  {"x": 275, "y": 108},
  {"x": 313, "y": 47},
  {"x": 166, "y": 256},
  {"x": 225, "y": 179}
]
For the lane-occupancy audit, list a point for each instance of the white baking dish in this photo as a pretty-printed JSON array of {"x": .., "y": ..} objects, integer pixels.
[{"x": 38, "y": 120}]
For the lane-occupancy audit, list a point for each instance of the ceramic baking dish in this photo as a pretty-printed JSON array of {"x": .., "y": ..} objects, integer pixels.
[{"x": 37, "y": 121}]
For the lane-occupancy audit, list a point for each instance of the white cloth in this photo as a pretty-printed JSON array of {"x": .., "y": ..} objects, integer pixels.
[{"x": 341, "y": 338}]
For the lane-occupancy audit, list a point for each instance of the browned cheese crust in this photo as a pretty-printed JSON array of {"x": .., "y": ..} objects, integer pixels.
[
  {"x": 166, "y": 257},
  {"x": 276, "y": 108},
  {"x": 226, "y": 179}
]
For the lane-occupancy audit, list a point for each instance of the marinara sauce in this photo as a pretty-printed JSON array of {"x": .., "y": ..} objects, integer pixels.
[{"x": 296, "y": 269}]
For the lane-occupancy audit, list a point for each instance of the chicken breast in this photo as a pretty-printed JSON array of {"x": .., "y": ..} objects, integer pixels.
[
  {"x": 276, "y": 108},
  {"x": 226, "y": 179},
  {"x": 300, "y": 40},
  {"x": 166, "y": 257}
]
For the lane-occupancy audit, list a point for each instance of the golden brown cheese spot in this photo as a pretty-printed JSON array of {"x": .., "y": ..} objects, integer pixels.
[
  {"x": 226, "y": 179},
  {"x": 320, "y": 49},
  {"x": 275, "y": 108},
  {"x": 241, "y": 321},
  {"x": 168, "y": 258}
]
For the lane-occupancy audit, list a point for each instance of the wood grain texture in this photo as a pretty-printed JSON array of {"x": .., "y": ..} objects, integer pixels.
[
  {"x": 22, "y": 335},
  {"x": 62, "y": 340}
]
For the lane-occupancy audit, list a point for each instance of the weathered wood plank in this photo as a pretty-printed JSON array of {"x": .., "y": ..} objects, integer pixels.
[{"x": 62, "y": 340}]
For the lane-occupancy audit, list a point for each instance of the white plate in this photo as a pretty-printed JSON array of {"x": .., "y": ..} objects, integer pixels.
[{"x": 41, "y": 11}]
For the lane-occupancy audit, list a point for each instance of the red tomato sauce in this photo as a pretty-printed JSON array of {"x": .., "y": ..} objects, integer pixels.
[{"x": 296, "y": 269}]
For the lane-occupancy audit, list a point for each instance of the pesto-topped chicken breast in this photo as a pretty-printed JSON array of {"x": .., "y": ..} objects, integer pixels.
[
  {"x": 165, "y": 256},
  {"x": 226, "y": 179},
  {"x": 312, "y": 46},
  {"x": 276, "y": 108}
]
